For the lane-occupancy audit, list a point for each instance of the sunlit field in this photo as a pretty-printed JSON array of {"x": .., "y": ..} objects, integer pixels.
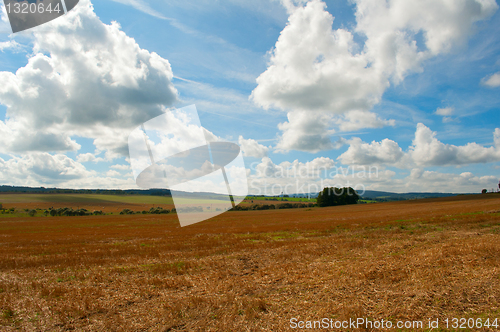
[{"x": 249, "y": 270}]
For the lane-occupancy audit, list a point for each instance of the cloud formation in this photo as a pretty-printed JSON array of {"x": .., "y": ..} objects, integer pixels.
[
  {"x": 306, "y": 132},
  {"x": 10, "y": 44},
  {"x": 426, "y": 150},
  {"x": 84, "y": 79},
  {"x": 252, "y": 148},
  {"x": 492, "y": 81},
  {"x": 58, "y": 170},
  {"x": 316, "y": 68}
]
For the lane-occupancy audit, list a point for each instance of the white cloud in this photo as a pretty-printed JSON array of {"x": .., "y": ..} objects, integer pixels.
[
  {"x": 121, "y": 167},
  {"x": 44, "y": 169},
  {"x": 355, "y": 120},
  {"x": 306, "y": 132},
  {"x": 269, "y": 178},
  {"x": 10, "y": 44},
  {"x": 316, "y": 68},
  {"x": 431, "y": 181},
  {"x": 41, "y": 168},
  {"x": 85, "y": 79},
  {"x": 252, "y": 148},
  {"x": 492, "y": 81},
  {"x": 313, "y": 68},
  {"x": 426, "y": 150},
  {"x": 112, "y": 173},
  {"x": 447, "y": 111},
  {"x": 360, "y": 153},
  {"x": 88, "y": 157}
]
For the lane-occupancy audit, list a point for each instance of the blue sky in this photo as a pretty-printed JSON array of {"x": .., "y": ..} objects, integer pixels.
[{"x": 411, "y": 90}]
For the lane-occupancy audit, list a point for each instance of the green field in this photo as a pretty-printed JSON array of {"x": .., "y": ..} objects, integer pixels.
[
  {"x": 83, "y": 199},
  {"x": 96, "y": 199}
]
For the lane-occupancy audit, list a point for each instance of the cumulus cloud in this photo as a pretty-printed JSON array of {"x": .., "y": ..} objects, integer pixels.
[
  {"x": 44, "y": 169},
  {"x": 84, "y": 79},
  {"x": 36, "y": 168},
  {"x": 88, "y": 157},
  {"x": 121, "y": 167},
  {"x": 426, "y": 150},
  {"x": 112, "y": 173},
  {"x": 268, "y": 178},
  {"x": 316, "y": 68},
  {"x": 355, "y": 120},
  {"x": 361, "y": 153},
  {"x": 432, "y": 181},
  {"x": 492, "y": 81},
  {"x": 306, "y": 132},
  {"x": 252, "y": 148}
]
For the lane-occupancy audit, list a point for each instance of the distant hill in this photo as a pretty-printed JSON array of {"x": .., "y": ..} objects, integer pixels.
[
  {"x": 43, "y": 190},
  {"x": 384, "y": 196},
  {"x": 371, "y": 195},
  {"x": 152, "y": 192},
  {"x": 389, "y": 196}
]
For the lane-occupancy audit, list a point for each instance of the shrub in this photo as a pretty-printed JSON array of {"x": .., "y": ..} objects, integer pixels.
[
  {"x": 158, "y": 210},
  {"x": 32, "y": 213}
]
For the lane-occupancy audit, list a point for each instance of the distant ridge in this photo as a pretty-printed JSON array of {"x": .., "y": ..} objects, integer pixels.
[
  {"x": 379, "y": 196},
  {"x": 43, "y": 190},
  {"x": 384, "y": 196}
]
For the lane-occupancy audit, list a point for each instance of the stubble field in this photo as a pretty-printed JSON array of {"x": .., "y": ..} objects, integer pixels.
[{"x": 253, "y": 270}]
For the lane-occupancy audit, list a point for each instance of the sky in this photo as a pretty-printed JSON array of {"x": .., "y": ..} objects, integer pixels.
[{"x": 400, "y": 96}]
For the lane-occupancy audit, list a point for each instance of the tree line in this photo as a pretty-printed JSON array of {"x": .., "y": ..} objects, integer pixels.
[{"x": 337, "y": 196}]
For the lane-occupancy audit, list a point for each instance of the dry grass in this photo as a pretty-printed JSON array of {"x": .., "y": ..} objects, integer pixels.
[{"x": 252, "y": 271}]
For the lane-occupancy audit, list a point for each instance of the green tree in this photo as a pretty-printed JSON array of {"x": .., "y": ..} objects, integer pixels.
[{"x": 337, "y": 196}]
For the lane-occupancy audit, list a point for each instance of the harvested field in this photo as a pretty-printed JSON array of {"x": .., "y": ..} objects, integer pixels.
[
  {"x": 255, "y": 270},
  {"x": 105, "y": 203}
]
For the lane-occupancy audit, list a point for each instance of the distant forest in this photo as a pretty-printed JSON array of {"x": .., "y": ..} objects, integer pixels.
[
  {"x": 368, "y": 195},
  {"x": 43, "y": 190}
]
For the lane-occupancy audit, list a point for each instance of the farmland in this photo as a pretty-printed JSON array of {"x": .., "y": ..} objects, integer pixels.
[{"x": 247, "y": 270}]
